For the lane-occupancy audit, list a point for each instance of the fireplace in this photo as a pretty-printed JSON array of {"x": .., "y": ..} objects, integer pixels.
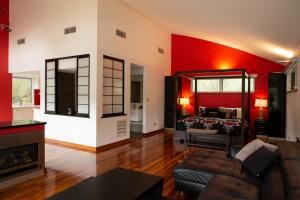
[{"x": 18, "y": 159}]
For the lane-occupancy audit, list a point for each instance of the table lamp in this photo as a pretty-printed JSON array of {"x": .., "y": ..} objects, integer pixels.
[
  {"x": 184, "y": 102},
  {"x": 261, "y": 104}
]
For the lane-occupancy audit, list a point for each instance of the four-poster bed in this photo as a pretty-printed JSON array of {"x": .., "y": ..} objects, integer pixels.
[{"x": 214, "y": 127}]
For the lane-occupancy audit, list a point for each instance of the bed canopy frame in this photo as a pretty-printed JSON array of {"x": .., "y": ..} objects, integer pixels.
[{"x": 219, "y": 73}]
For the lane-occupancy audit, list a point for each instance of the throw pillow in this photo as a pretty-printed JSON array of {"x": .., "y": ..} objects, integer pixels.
[
  {"x": 252, "y": 147},
  {"x": 259, "y": 160}
]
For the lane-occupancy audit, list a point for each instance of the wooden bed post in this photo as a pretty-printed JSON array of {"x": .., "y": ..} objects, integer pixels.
[
  {"x": 249, "y": 100},
  {"x": 175, "y": 101},
  {"x": 243, "y": 108},
  {"x": 196, "y": 96}
]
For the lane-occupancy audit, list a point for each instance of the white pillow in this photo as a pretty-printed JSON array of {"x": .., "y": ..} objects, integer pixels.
[{"x": 252, "y": 147}]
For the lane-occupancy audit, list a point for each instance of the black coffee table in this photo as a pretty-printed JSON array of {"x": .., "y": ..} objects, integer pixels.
[{"x": 117, "y": 184}]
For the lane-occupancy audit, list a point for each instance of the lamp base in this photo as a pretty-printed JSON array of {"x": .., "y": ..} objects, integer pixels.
[{"x": 261, "y": 114}]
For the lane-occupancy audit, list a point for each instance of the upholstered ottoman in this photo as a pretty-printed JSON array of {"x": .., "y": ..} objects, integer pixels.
[
  {"x": 223, "y": 187},
  {"x": 193, "y": 174}
]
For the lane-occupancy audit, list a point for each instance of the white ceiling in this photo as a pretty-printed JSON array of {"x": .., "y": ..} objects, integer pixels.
[{"x": 268, "y": 28}]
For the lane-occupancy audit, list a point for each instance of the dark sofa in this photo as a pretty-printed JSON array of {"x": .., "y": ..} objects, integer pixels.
[{"x": 211, "y": 175}]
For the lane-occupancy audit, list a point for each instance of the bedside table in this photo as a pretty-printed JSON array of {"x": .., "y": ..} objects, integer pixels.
[{"x": 260, "y": 127}]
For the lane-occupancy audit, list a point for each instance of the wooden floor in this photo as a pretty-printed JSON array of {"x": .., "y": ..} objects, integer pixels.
[{"x": 66, "y": 167}]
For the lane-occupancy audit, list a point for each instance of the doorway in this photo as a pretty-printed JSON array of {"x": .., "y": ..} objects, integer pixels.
[{"x": 136, "y": 100}]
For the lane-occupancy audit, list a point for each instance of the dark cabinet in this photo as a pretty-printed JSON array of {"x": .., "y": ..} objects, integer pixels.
[{"x": 277, "y": 105}]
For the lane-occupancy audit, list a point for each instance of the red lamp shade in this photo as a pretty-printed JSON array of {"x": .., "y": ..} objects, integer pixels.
[{"x": 261, "y": 103}]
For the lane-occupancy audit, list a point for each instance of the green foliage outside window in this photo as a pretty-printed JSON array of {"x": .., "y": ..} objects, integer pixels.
[{"x": 21, "y": 91}]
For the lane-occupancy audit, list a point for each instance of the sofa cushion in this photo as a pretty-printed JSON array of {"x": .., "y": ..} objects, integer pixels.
[
  {"x": 252, "y": 147},
  {"x": 202, "y": 165},
  {"x": 223, "y": 187},
  {"x": 259, "y": 161},
  {"x": 273, "y": 184},
  {"x": 289, "y": 150},
  {"x": 290, "y": 170}
]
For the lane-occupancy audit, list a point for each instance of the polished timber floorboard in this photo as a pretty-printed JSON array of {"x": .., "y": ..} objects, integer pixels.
[{"x": 65, "y": 167}]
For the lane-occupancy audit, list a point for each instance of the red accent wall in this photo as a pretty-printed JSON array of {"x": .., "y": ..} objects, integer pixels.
[
  {"x": 196, "y": 54},
  {"x": 5, "y": 77}
]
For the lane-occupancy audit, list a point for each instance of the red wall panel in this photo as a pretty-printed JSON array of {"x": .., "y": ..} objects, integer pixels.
[
  {"x": 5, "y": 77},
  {"x": 196, "y": 54}
]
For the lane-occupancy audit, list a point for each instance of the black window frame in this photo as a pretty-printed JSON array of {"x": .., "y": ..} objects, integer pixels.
[
  {"x": 56, "y": 87},
  {"x": 123, "y": 88}
]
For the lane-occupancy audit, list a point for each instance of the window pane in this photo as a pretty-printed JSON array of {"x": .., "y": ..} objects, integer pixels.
[
  {"x": 83, "y": 109},
  {"x": 118, "y": 82},
  {"x": 107, "y": 109},
  {"x": 107, "y": 63},
  {"x": 107, "y": 72},
  {"x": 83, "y": 62},
  {"x": 232, "y": 85},
  {"x": 107, "y": 100},
  {"x": 83, "y": 90},
  {"x": 118, "y": 74},
  {"x": 50, "y": 107},
  {"x": 107, "y": 81},
  {"x": 51, "y": 98},
  {"x": 107, "y": 90},
  {"x": 118, "y": 91},
  {"x": 50, "y": 65},
  {"x": 21, "y": 91},
  {"x": 207, "y": 85},
  {"x": 118, "y": 108},
  {"x": 51, "y": 74},
  {"x": 118, "y": 65},
  {"x": 118, "y": 100},
  {"x": 50, "y": 82},
  {"x": 83, "y": 100},
  {"x": 83, "y": 71},
  {"x": 235, "y": 85},
  {"x": 83, "y": 81}
]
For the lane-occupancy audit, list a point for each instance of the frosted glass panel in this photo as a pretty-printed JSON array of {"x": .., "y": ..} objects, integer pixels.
[
  {"x": 51, "y": 98},
  {"x": 50, "y": 90},
  {"x": 51, "y": 74},
  {"x": 107, "y": 100},
  {"x": 118, "y": 91},
  {"x": 107, "y": 109},
  {"x": 107, "y": 81},
  {"x": 118, "y": 82},
  {"x": 107, "y": 63},
  {"x": 50, "y": 82},
  {"x": 83, "y": 62},
  {"x": 117, "y": 109},
  {"x": 107, "y": 91},
  {"x": 83, "y": 100},
  {"x": 83, "y": 90},
  {"x": 50, "y": 65},
  {"x": 83, "y": 109},
  {"x": 83, "y": 80},
  {"x": 50, "y": 107},
  {"x": 118, "y": 65},
  {"x": 118, "y": 74},
  {"x": 118, "y": 100},
  {"x": 83, "y": 71},
  {"x": 107, "y": 72},
  {"x": 70, "y": 63}
]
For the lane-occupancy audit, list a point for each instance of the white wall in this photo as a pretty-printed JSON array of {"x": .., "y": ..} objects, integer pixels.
[
  {"x": 141, "y": 48},
  {"x": 42, "y": 23},
  {"x": 293, "y": 109}
]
